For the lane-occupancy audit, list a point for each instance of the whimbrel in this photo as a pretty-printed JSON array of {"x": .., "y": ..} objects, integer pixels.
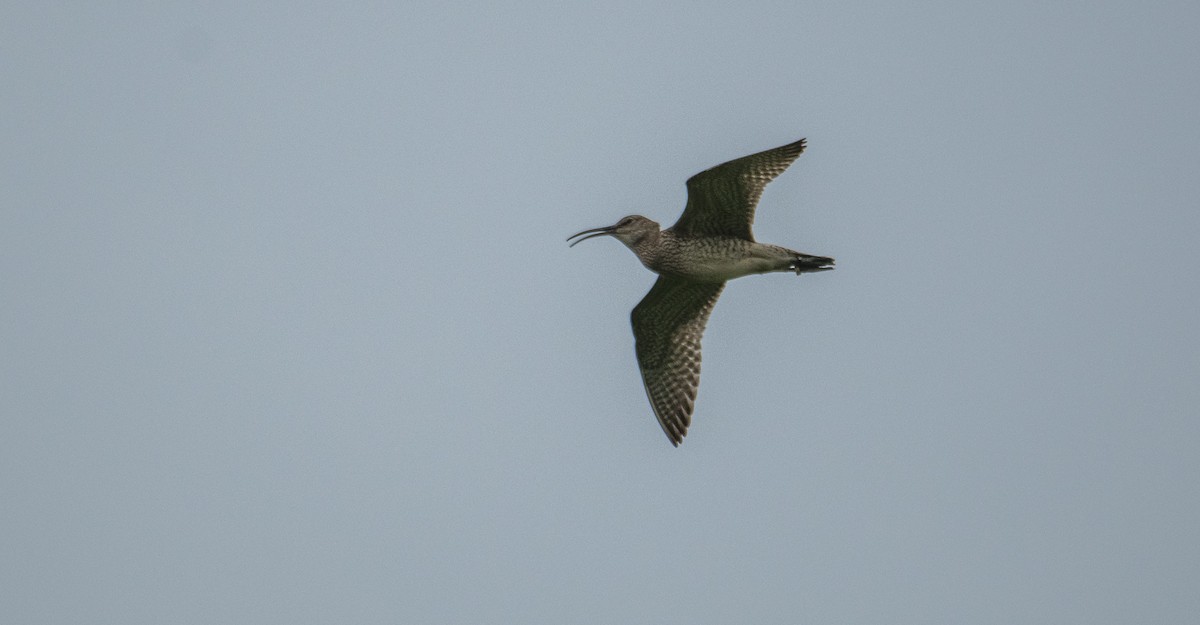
[{"x": 710, "y": 244}]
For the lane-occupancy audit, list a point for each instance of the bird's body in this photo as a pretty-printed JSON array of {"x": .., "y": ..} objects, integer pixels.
[
  {"x": 709, "y": 245},
  {"x": 714, "y": 258}
]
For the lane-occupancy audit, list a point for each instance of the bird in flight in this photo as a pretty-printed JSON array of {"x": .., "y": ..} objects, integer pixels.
[{"x": 709, "y": 245}]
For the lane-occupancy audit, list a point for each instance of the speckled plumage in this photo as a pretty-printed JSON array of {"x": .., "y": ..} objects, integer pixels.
[
  {"x": 668, "y": 324},
  {"x": 711, "y": 243}
]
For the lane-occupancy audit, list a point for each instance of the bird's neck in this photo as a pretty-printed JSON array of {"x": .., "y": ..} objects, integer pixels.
[{"x": 648, "y": 246}]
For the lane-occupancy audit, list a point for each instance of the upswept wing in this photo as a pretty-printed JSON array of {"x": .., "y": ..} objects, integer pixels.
[{"x": 721, "y": 200}]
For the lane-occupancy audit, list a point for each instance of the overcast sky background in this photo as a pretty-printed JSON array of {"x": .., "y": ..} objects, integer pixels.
[{"x": 289, "y": 331}]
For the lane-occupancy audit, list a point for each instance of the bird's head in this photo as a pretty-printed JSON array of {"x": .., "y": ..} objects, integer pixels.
[{"x": 631, "y": 231}]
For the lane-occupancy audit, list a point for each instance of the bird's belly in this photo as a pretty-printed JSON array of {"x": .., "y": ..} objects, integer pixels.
[{"x": 716, "y": 268}]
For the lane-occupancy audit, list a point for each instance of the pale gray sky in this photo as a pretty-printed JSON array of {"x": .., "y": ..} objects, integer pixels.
[{"x": 291, "y": 333}]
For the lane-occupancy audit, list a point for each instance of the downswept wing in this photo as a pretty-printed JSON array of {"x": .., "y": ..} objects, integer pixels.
[
  {"x": 721, "y": 200},
  {"x": 667, "y": 326}
]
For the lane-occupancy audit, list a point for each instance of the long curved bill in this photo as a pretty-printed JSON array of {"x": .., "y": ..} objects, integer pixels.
[{"x": 591, "y": 234}]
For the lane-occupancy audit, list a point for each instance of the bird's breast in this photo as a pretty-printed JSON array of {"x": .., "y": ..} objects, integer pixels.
[{"x": 709, "y": 259}]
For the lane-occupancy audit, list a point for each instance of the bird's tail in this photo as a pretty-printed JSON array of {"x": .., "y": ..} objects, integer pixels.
[{"x": 805, "y": 263}]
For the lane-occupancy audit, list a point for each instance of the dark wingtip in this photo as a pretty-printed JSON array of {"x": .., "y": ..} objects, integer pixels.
[{"x": 674, "y": 433}]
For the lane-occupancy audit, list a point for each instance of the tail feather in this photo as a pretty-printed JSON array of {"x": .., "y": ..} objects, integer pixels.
[{"x": 804, "y": 263}]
